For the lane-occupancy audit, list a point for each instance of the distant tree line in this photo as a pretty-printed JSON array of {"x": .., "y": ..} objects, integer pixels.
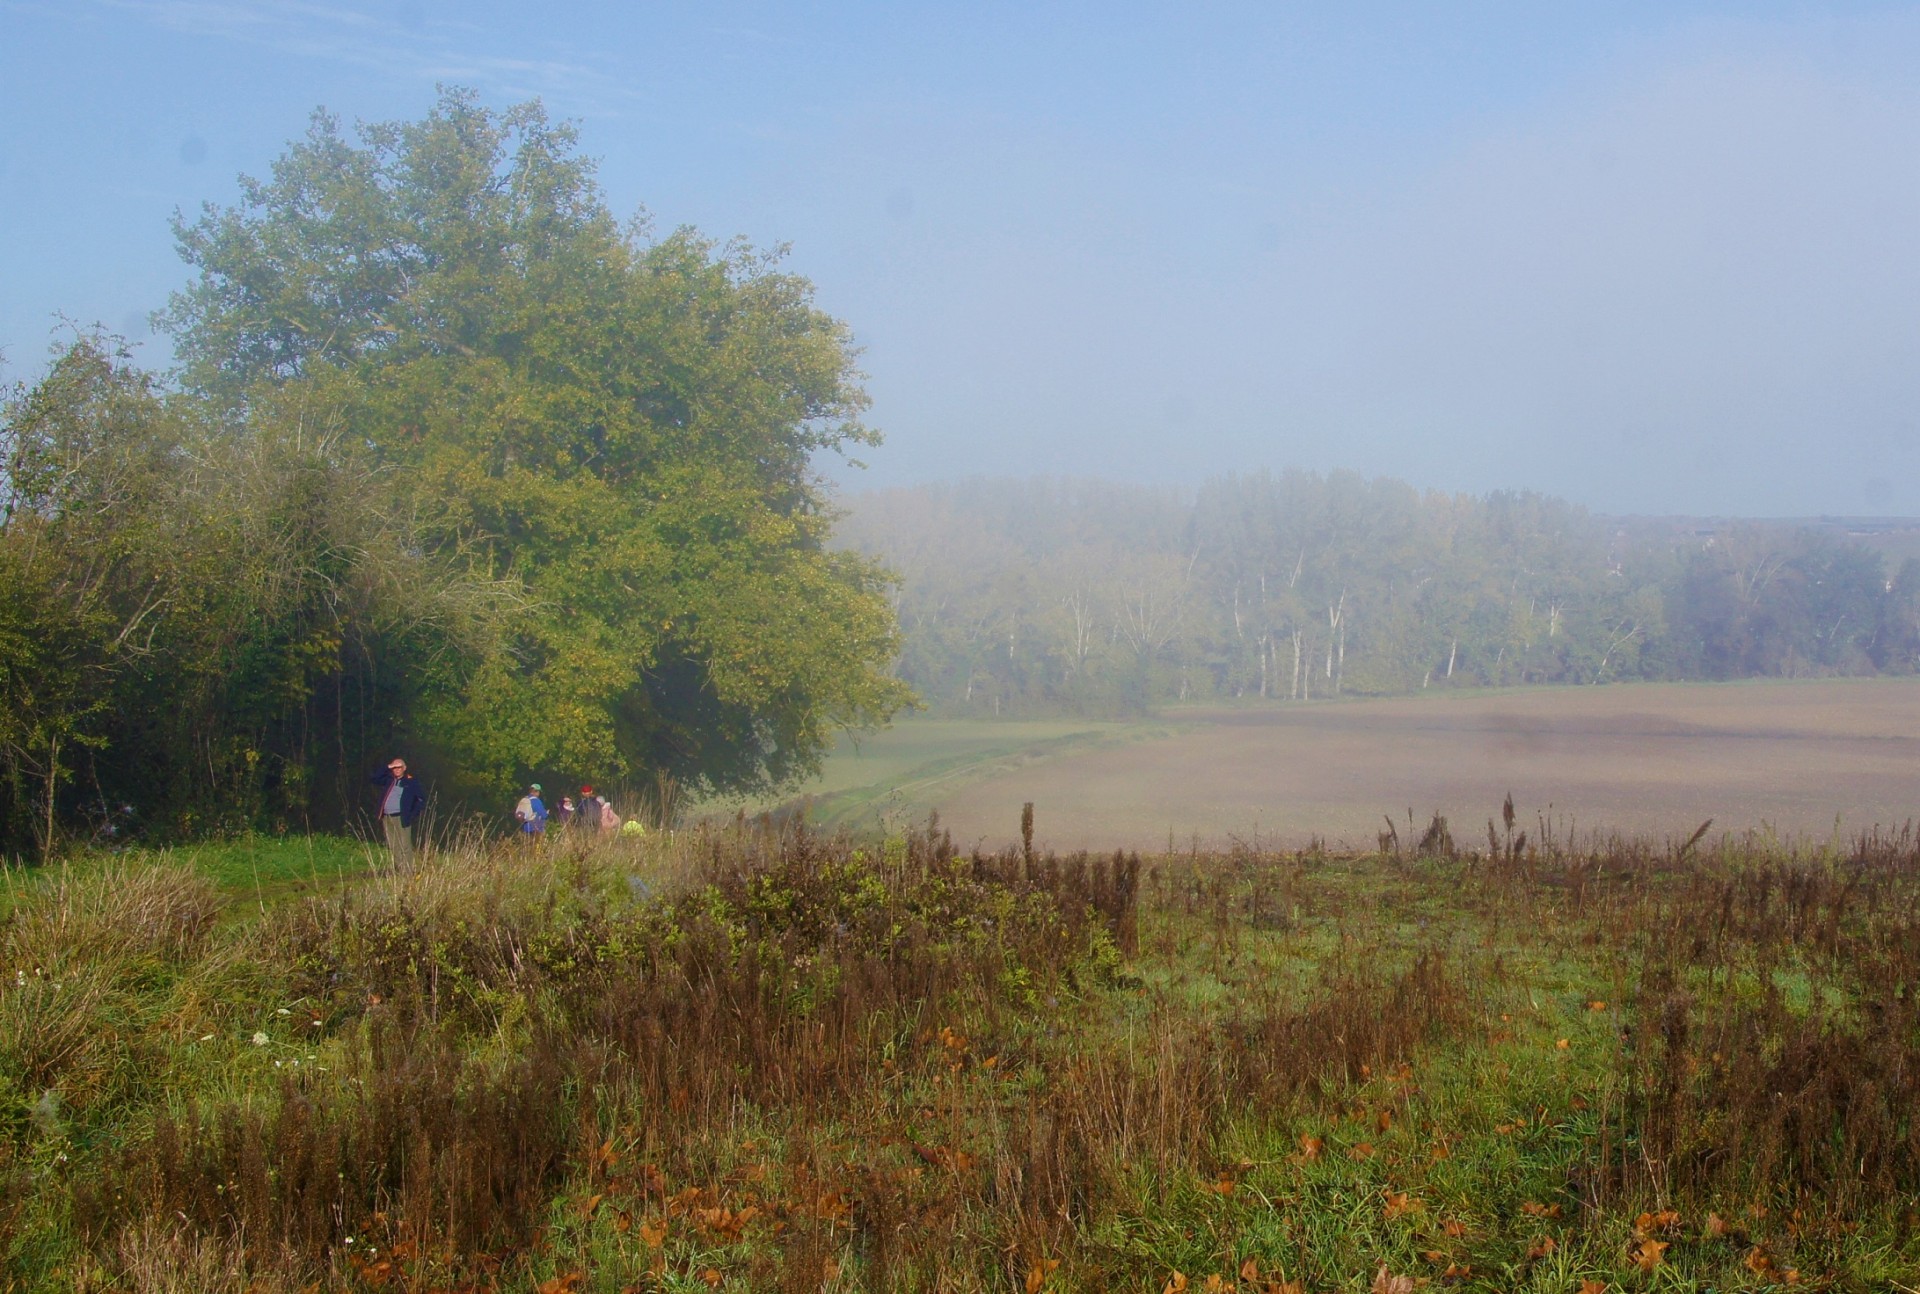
[
  {"x": 454, "y": 463},
  {"x": 1037, "y": 597}
]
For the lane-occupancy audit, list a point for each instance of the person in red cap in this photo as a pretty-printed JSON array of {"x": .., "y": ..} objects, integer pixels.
[{"x": 587, "y": 809}]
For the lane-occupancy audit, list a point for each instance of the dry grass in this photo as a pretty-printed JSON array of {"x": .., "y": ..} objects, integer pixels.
[{"x": 772, "y": 1060}]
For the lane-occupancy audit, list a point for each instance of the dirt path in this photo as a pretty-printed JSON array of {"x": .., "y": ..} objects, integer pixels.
[{"x": 1642, "y": 758}]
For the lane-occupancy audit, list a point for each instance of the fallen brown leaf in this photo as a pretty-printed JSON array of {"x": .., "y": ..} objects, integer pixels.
[{"x": 1384, "y": 1283}]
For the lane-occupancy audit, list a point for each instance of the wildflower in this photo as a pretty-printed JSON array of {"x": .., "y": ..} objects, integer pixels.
[{"x": 259, "y": 1038}]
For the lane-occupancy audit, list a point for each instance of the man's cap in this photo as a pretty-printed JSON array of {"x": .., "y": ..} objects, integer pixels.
[
  {"x": 586, "y": 790},
  {"x": 533, "y": 786}
]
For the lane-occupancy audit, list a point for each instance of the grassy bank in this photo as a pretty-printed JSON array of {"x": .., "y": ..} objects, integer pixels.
[
  {"x": 888, "y": 778},
  {"x": 737, "y": 1060},
  {"x": 264, "y": 869}
]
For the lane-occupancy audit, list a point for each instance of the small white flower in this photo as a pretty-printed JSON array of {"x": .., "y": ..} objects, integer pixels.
[
  {"x": 283, "y": 1011},
  {"x": 259, "y": 1039},
  {"x": 206, "y": 1037}
]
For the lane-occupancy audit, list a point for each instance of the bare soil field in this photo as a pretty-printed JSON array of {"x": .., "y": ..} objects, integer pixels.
[{"x": 1793, "y": 757}]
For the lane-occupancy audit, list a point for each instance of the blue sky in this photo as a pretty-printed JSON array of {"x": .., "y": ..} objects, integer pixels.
[{"x": 1653, "y": 257}]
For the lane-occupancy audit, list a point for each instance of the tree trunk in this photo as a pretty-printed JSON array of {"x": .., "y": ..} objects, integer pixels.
[{"x": 53, "y": 784}]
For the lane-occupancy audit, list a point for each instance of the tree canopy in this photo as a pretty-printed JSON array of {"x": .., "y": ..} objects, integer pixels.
[{"x": 456, "y": 458}]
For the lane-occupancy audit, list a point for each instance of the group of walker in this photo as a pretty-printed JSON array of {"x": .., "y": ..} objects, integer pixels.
[
  {"x": 592, "y": 812},
  {"x": 402, "y": 802}
]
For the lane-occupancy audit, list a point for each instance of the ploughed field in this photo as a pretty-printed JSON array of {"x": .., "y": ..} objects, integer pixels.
[{"x": 1644, "y": 759}]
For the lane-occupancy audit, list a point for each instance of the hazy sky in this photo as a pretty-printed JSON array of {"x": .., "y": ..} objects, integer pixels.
[{"x": 1655, "y": 257}]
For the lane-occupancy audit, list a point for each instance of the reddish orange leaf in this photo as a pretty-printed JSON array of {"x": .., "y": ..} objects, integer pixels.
[
  {"x": 1176, "y": 1283},
  {"x": 1648, "y": 1224},
  {"x": 1310, "y": 1147},
  {"x": 1647, "y": 1254},
  {"x": 1540, "y": 1248},
  {"x": 1038, "y": 1273}
]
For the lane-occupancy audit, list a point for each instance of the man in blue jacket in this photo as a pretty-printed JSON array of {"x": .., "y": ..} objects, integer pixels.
[{"x": 400, "y": 803}]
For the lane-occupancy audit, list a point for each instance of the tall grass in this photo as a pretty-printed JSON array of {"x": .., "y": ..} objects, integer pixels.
[{"x": 765, "y": 1058}]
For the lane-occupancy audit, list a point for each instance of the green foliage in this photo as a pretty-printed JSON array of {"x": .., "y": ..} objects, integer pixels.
[
  {"x": 621, "y": 429},
  {"x": 456, "y": 463}
]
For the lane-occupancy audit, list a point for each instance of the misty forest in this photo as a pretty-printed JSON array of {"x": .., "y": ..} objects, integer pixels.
[{"x": 1030, "y": 597}]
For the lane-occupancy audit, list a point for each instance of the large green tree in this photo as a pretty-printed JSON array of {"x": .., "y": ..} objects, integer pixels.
[{"x": 616, "y": 429}]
